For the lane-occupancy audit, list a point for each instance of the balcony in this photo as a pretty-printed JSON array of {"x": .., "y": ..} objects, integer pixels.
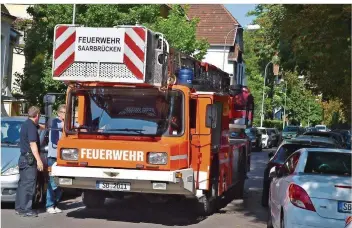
[{"x": 233, "y": 54}]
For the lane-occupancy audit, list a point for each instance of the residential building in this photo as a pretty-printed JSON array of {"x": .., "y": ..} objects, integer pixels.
[
  {"x": 9, "y": 40},
  {"x": 225, "y": 36},
  {"x": 20, "y": 12}
]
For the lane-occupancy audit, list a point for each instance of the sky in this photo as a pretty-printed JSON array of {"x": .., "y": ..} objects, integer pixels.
[{"x": 239, "y": 12}]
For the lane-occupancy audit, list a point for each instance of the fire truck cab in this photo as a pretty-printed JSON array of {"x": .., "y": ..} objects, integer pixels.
[{"x": 143, "y": 118}]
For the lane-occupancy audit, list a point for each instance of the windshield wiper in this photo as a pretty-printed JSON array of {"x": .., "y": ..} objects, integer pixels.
[{"x": 125, "y": 129}]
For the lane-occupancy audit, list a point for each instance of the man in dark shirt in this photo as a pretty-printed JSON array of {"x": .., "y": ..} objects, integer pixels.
[{"x": 28, "y": 163}]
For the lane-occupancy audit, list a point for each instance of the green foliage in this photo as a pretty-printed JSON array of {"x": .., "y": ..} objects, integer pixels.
[
  {"x": 312, "y": 39},
  {"x": 37, "y": 80},
  {"x": 333, "y": 114},
  {"x": 273, "y": 124},
  {"x": 181, "y": 33},
  {"x": 298, "y": 97}
]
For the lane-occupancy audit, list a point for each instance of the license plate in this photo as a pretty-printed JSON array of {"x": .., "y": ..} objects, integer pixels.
[
  {"x": 344, "y": 207},
  {"x": 113, "y": 186}
]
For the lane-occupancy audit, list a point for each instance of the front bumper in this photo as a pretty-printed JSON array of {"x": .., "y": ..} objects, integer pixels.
[
  {"x": 297, "y": 217},
  {"x": 9, "y": 186},
  {"x": 141, "y": 181}
]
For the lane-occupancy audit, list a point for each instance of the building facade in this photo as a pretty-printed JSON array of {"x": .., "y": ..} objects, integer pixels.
[{"x": 225, "y": 36}]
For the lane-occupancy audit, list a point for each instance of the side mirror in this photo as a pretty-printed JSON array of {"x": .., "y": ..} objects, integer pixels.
[
  {"x": 211, "y": 116},
  {"x": 280, "y": 171},
  {"x": 273, "y": 172}
]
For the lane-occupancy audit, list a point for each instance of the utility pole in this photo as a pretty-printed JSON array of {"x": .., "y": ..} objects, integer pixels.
[
  {"x": 74, "y": 14},
  {"x": 308, "y": 113},
  {"x": 284, "y": 117},
  {"x": 275, "y": 72},
  {"x": 262, "y": 113}
]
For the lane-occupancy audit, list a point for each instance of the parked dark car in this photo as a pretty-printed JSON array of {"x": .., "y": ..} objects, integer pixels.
[
  {"x": 275, "y": 136},
  {"x": 286, "y": 148},
  {"x": 329, "y": 134},
  {"x": 347, "y": 137},
  {"x": 290, "y": 132},
  {"x": 255, "y": 137}
]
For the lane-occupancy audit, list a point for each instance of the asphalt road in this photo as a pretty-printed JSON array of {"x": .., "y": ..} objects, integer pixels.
[{"x": 136, "y": 212}]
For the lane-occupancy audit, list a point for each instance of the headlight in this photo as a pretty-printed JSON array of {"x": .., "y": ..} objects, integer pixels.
[
  {"x": 11, "y": 171},
  {"x": 157, "y": 158},
  {"x": 69, "y": 154}
]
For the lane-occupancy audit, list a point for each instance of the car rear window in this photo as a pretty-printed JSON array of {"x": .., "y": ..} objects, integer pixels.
[
  {"x": 290, "y": 129},
  {"x": 287, "y": 149},
  {"x": 328, "y": 163},
  {"x": 270, "y": 131}
]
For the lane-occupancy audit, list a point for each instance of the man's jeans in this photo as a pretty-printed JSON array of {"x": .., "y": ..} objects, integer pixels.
[{"x": 53, "y": 193}]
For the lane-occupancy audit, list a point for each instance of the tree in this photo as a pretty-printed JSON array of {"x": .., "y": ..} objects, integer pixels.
[
  {"x": 313, "y": 40},
  {"x": 37, "y": 78}
]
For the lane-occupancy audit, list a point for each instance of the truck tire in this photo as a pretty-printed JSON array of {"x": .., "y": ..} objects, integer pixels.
[
  {"x": 242, "y": 176},
  {"x": 205, "y": 206},
  {"x": 93, "y": 199}
]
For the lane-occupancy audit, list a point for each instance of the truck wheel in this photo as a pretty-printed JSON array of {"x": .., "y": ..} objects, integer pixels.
[
  {"x": 242, "y": 177},
  {"x": 205, "y": 206},
  {"x": 93, "y": 199}
]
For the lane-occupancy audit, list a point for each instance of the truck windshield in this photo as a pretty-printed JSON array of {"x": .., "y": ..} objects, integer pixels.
[{"x": 127, "y": 111}]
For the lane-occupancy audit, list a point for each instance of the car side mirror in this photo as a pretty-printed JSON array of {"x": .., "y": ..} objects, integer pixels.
[
  {"x": 280, "y": 171},
  {"x": 273, "y": 172},
  {"x": 270, "y": 154}
]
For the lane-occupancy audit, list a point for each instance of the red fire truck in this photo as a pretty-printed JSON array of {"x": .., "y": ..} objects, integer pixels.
[{"x": 143, "y": 118}]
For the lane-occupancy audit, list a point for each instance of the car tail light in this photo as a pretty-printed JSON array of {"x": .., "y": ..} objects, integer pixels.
[{"x": 299, "y": 197}]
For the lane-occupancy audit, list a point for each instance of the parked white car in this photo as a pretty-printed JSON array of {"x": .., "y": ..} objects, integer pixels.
[
  {"x": 312, "y": 189},
  {"x": 266, "y": 138},
  {"x": 321, "y": 128}
]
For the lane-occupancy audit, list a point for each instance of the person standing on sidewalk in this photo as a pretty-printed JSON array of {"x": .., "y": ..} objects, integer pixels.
[
  {"x": 28, "y": 163},
  {"x": 54, "y": 193}
]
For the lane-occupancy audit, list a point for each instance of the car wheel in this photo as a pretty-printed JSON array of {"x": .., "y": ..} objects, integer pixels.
[{"x": 265, "y": 195}]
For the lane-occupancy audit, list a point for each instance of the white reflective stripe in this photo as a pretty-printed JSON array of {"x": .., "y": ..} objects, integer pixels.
[
  {"x": 122, "y": 174},
  {"x": 63, "y": 37},
  {"x": 64, "y": 55},
  {"x": 203, "y": 179},
  {"x": 134, "y": 59},
  {"x": 178, "y": 157},
  {"x": 136, "y": 38}
]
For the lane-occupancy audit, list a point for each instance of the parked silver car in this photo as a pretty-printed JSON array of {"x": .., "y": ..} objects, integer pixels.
[{"x": 10, "y": 153}]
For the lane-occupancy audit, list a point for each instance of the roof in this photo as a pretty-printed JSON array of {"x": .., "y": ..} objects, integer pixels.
[
  {"x": 308, "y": 139},
  {"x": 322, "y": 133},
  {"x": 215, "y": 23},
  {"x": 6, "y": 13},
  {"x": 20, "y": 118},
  {"x": 327, "y": 150}
]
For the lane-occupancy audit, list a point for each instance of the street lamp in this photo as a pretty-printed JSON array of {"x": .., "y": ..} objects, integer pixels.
[
  {"x": 249, "y": 27},
  {"x": 262, "y": 113},
  {"x": 235, "y": 28},
  {"x": 74, "y": 14},
  {"x": 284, "y": 116}
]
